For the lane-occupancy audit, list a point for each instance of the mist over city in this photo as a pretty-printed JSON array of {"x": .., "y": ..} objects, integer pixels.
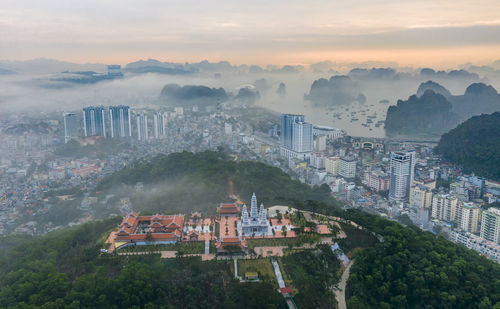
[{"x": 249, "y": 155}]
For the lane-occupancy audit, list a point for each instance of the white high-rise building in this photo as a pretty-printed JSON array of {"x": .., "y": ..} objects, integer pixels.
[
  {"x": 468, "y": 216},
  {"x": 302, "y": 137},
  {"x": 296, "y": 137},
  {"x": 401, "y": 175},
  {"x": 490, "y": 225},
  {"x": 94, "y": 123},
  {"x": 120, "y": 123},
  {"x": 444, "y": 207},
  {"x": 142, "y": 127},
  {"x": 158, "y": 126},
  {"x": 347, "y": 167}
]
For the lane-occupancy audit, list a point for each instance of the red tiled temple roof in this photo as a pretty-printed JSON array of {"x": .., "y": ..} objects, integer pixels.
[{"x": 228, "y": 208}]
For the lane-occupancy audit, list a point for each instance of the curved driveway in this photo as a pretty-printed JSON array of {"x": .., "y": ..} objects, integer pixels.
[{"x": 340, "y": 293}]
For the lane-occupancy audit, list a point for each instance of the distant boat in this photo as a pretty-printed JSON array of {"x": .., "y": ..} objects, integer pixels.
[{"x": 384, "y": 101}]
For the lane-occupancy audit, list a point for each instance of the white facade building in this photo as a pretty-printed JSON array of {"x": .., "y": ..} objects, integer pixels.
[
  {"x": 142, "y": 127},
  {"x": 347, "y": 167},
  {"x": 401, "y": 175},
  {"x": 490, "y": 225},
  {"x": 468, "y": 216},
  {"x": 444, "y": 207},
  {"x": 479, "y": 244}
]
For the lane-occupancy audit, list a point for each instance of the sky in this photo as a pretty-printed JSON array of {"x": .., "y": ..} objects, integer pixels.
[{"x": 410, "y": 32}]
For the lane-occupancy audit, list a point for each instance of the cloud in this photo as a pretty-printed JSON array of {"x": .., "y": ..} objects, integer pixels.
[{"x": 110, "y": 31}]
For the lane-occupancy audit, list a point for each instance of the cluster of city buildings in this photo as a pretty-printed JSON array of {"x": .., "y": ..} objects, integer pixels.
[
  {"x": 387, "y": 177},
  {"x": 31, "y": 165},
  {"x": 116, "y": 122},
  {"x": 394, "y": 179}
]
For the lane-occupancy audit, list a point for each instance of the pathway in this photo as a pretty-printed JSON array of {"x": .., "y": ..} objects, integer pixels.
[
  {"x": 236, "y": 268},
  {"x": 340, "y": 293},
  {"x": 281, "y": 284},
  {"x": 277, "y": 271},
  {"x": 207, "y": 247}
]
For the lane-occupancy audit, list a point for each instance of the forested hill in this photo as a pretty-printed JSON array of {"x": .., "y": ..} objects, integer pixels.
[
  {"x": 184, "y": 182},
  {"x": 408, "y": 269},
  {"x": 64, "y": 269},
  {"x": 475, "y": 145},
  {"x": 415, "y": 269}
]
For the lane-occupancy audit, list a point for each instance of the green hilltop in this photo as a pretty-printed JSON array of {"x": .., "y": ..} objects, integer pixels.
[
  {"x": 404, "y": 268},
  {"x": 475, "y": 145}
]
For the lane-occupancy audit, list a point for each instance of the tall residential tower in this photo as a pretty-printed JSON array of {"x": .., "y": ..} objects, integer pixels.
[
  {"x": 490, "y": 225},
  {"x": 119, "y": 117},
  {"x": 401, "y": 175},
  {"x": 158, "y": 125},
  {"x": 94, "y": 123},
  {"x": 142, "y": 127},
  {"x": 296, "y": 136}
]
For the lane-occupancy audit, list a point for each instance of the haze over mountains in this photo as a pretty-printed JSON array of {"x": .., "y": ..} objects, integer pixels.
[
  {"x": 435, "y": 110},
  {"x": 53, "y": 85}
]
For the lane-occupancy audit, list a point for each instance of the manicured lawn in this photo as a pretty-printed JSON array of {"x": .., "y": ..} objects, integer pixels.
[{"x": 262, "y": 266}]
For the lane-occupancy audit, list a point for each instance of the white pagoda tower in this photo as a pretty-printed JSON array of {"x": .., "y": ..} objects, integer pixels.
[{"x": 256, "y": 223}]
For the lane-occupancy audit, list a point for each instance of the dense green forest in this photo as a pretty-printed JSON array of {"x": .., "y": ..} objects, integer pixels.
[
  {"x": 415, "y": 269},
  {"x": 475, "y": 145},
  {"x": 200, "y": 181},
  {"x": 313, "y": 273},
  {"x": 65, "y": 269},
  {"x": 408, "y": 269}
]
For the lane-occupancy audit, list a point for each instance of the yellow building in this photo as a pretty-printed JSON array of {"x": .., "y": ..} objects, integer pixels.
[
  {"x": 332, "y": 165},
  {"x": 420, "y": 196},
  {"x": 429, "y": 183},
  {"x": 265, "y": 149}
]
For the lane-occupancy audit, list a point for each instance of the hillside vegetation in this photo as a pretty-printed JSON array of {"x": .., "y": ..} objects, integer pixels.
[
  {"x": 415, "y": 269},
  {"x": 64, "y": 269},
  {"x": 475, "y": 145},
  {"x": 407, "y": 269},
  {"x": 185, "y": 182}
]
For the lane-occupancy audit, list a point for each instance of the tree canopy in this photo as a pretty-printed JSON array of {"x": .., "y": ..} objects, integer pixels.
[{"x": 475, "y": 145}]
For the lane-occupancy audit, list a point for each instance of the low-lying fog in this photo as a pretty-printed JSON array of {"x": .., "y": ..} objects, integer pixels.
[{"x": 24, "y": 92}]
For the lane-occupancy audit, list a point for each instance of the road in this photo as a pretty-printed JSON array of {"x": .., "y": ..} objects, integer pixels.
[{"x": 340, "y": 293}]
